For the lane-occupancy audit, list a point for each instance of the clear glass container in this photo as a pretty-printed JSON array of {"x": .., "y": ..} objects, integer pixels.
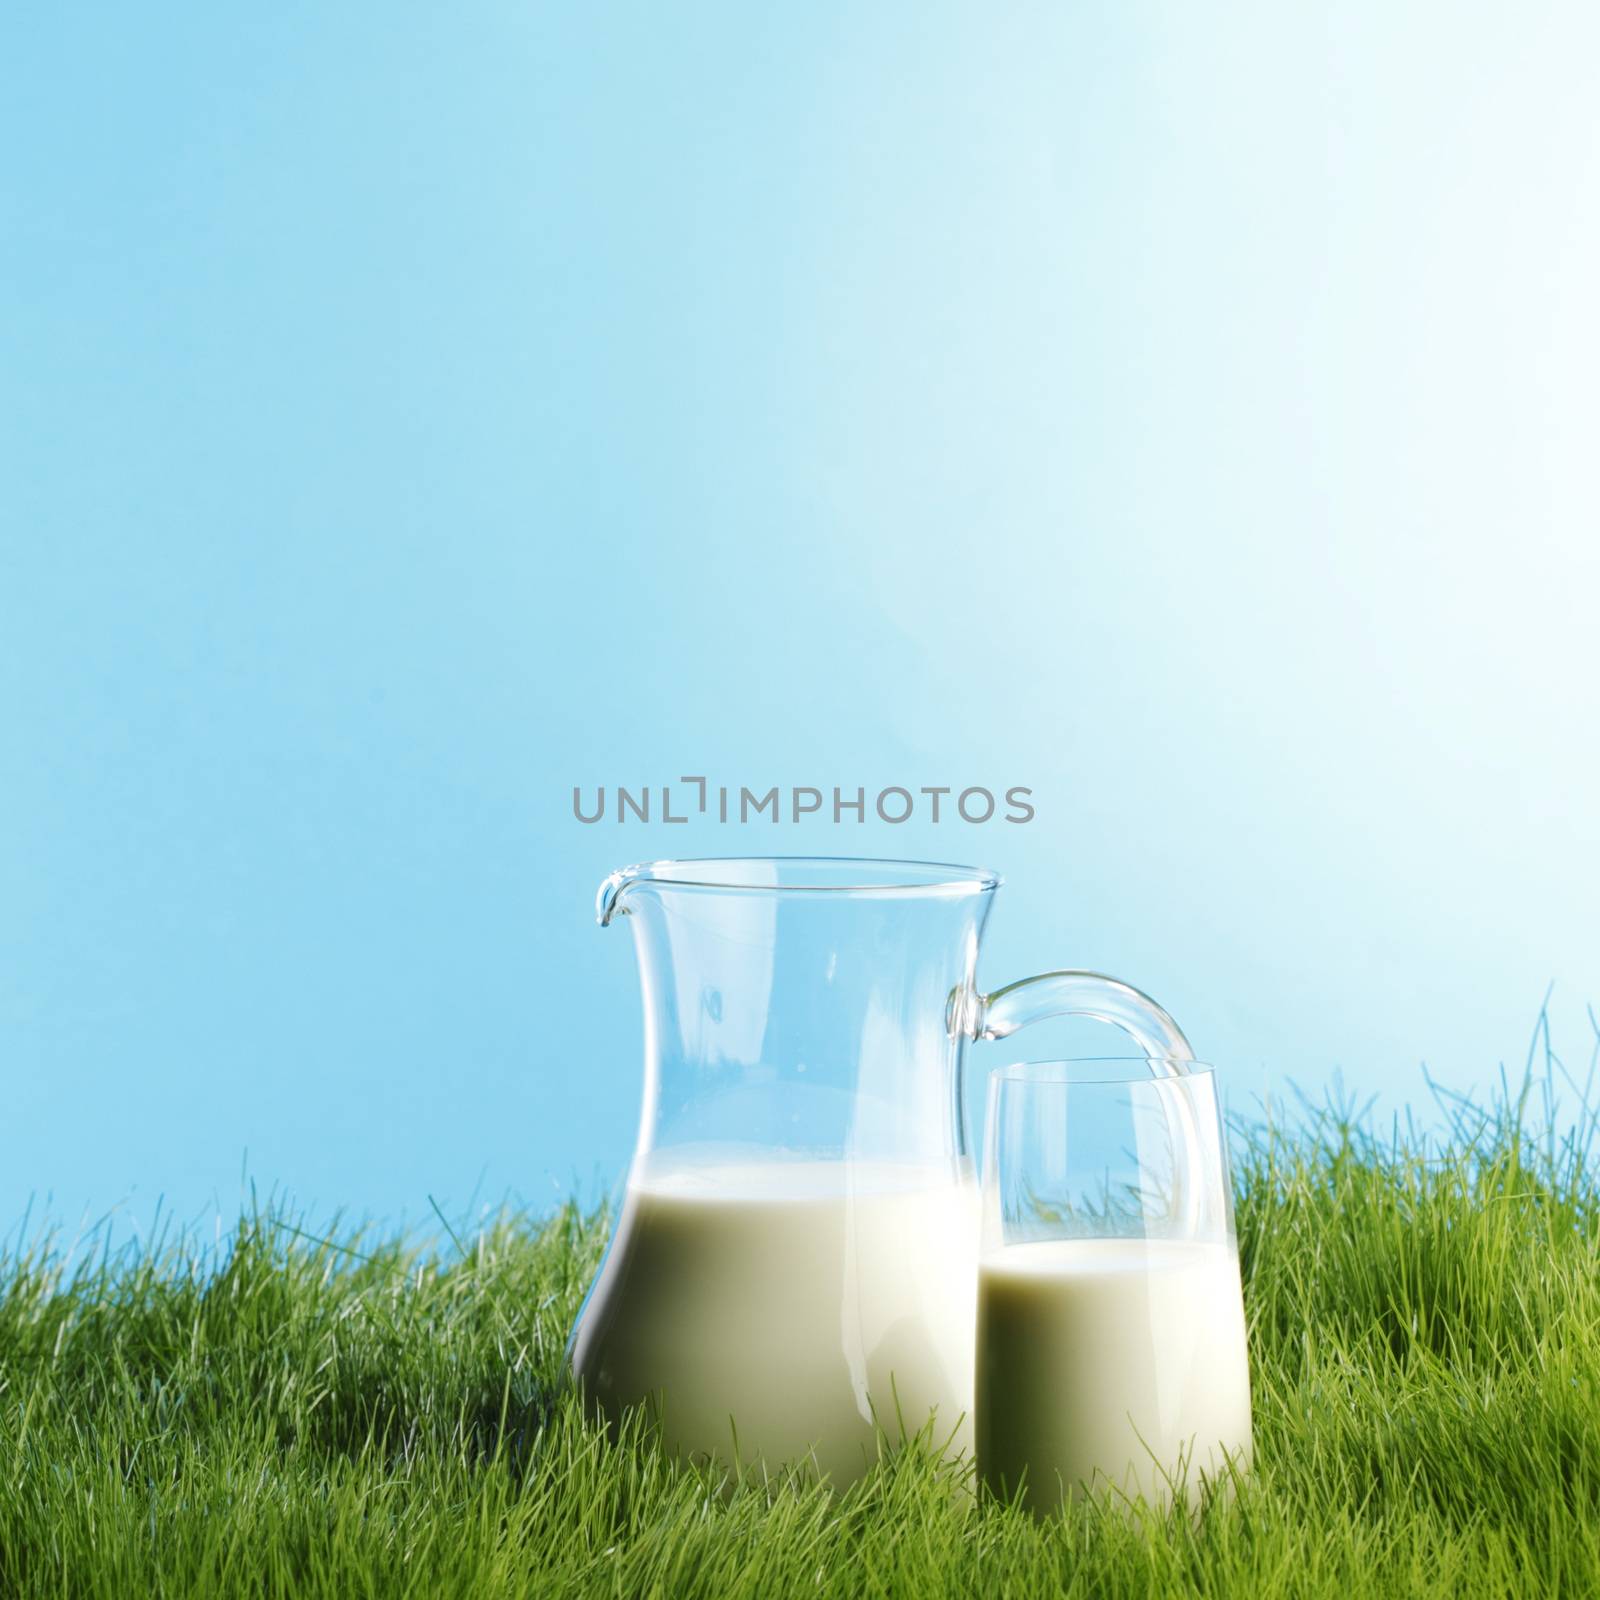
[{"x": 1111, "y": 1351}]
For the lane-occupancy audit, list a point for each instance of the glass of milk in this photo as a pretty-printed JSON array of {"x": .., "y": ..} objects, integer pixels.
[{"x": 1111, "y": 1354}]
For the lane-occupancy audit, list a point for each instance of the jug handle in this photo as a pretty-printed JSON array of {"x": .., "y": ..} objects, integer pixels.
[
  {"x": 1091, "y": 994},
  {"x": 1078, "y": 994}
]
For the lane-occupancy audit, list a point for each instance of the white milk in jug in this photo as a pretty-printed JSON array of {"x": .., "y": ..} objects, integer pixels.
[{"x": 773, "y": 1313}]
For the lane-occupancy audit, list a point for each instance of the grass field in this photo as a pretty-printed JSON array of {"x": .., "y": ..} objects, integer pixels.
[{"x": 282, "y": 1415}]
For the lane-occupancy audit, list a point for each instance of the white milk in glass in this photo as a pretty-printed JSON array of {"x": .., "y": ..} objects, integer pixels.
[
  {"x": 1108, "y": 1362},
  {"x": 772, "y": 1313}
]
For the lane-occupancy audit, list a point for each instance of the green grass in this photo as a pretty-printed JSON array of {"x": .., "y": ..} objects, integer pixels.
[{"x": 286, "y": 1416}]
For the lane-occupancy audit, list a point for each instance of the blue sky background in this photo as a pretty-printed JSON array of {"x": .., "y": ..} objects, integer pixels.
[{"x": 409, "y": 413}]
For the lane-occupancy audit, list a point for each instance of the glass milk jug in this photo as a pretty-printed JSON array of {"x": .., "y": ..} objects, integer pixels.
[{"x": 792, "y": 1273}]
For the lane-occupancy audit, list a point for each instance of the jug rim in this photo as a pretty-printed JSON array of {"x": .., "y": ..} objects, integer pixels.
[{"x": 804, "y": 875}]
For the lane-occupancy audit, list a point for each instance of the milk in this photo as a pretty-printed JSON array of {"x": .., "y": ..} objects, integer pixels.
[
  {"x": 772, "y": 1312},
  {"x": 1109, "y": 1360}
]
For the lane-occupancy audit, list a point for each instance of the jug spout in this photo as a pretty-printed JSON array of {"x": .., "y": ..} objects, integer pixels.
[{"x": 608, "y": 898}]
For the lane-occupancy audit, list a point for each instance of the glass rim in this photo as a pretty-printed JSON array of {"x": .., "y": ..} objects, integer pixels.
[
  {"x": 827, "y": 875},
  {"x": 1056, "y": 1071}
]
